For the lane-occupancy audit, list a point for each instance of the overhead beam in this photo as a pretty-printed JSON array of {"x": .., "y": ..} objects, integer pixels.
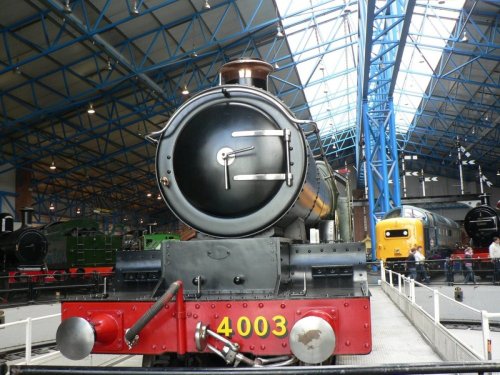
[{"x": 383, "y": 31}]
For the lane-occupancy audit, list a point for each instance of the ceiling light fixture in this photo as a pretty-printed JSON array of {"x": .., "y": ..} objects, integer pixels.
[
  {"x": 206, "y": 6},
  {"x": 67, "y": 7},
  {"x": 158, "y": 197},
  {"x": 185, "y": 90},
  {"x": 52, "y": 207},
  {"x": 498, "y": 172},
  {"x": 193, "y": 54},
  {"x": 78, "y": 212},
  {"x": 52, "y": 166},
  {"x": 276, "y": 66},
  {"x": 135, "y": 10},
  {"x": 465, "y": 38},
  {"x": 279, "y": 32},
  {"x": 108, "y": 65},
  {"x": 148, "y": 195},
  {"x": 91, "y": 109}
]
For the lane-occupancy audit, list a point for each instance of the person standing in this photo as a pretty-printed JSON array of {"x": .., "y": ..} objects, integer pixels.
[
  {"x": 469, "y": 271},
  {"x": 411, "y": 263},
  {"x": 494, "y": 250},
  {"x": 421, "y": 270}
]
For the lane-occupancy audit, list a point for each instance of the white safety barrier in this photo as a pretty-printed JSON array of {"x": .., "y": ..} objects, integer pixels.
[
  {"x": 29, "y": 334},
  {"x": 405, "y": 288}
]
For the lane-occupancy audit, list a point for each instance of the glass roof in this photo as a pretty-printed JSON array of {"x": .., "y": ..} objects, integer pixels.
[{"x": 323, "y": 35}]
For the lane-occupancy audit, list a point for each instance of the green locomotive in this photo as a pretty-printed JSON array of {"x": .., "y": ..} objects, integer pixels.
[
  {"x": 78, "y": 246},
  {"x": 152, "y": 241}
]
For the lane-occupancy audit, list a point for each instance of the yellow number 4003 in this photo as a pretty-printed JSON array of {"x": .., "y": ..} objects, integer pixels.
[{"x": 260, "y": 326}]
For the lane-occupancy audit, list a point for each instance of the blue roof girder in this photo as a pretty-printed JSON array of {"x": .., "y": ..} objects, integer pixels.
[
  {"x": 469, "y": 81},
  {"x": 476, "y": 97},
  {"x": 477, "y": 105},
  {"x": 138, "y": 110},
  {"x": 383, "y": 33},
  {"x": 124, "y": 78},
  {"x": 92, "y": 34},
  {"x": 440, "y": 150},
  {"x": 54, "y": 45}
]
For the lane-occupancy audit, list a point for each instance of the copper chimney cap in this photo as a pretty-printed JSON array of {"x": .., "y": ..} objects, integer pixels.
[{"x": 246, "y": 71}]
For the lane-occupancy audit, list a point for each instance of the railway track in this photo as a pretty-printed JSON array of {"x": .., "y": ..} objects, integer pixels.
[
  {"x": 12, "y": 356},
  {"x": 18, "y": 353}
]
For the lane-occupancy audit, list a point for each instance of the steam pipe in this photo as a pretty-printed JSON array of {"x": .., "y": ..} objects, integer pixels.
[{"x": 132, "y": 334}]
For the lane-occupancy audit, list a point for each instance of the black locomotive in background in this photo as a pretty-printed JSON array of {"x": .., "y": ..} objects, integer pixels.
[
  {"x": 255, "y": 286},
  {"x": 72, "y": 254},
  {"x": 482, "y": 224},
  {"x": 25, "y": 247}
]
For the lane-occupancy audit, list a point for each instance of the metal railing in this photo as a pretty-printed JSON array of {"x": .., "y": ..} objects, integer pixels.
[
  {"x": 482, "y": 267},
  {"x": 28, "y": 322},
  {"x": 406, "y": 288}
]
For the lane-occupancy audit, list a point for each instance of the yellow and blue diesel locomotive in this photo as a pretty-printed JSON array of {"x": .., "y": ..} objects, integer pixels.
[{"x": 407, "y": 226}]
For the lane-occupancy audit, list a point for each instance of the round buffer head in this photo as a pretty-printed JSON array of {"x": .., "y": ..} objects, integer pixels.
[
  {"x": 312, "y": 340},
  {"x": 75, "y": 338}
]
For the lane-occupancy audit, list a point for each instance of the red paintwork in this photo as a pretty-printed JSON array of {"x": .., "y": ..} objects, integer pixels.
[
  {"x": 47, "y": 276},
  {"x": 479, "y": 253},
  {"x": 350, "y": 318}
]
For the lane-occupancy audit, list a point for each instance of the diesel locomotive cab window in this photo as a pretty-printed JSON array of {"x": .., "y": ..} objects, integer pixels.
[
  {"x": 393, "y": 213},
  {"x": 396, "y": 233},
  {"x": 413, "y": 213}
]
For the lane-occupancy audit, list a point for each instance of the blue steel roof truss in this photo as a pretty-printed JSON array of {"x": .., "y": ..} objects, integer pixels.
[
  {"x": 134, "y": 80},
  {"x": 385, "y": 32}
]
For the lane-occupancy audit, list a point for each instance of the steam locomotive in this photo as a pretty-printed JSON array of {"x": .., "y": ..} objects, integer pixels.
[
  {"x": 234, "y": 164},
  {"x": 77, "y": 247},
  {"x": 482, "y": 224},
  {"x": 408, "y": 226},
  {"x": 23, "y": 248},
  {"x": 60, "y": 253}
]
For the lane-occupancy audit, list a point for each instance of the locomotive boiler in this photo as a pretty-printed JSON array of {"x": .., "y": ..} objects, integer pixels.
[
  {"x": 25, "y": 247},
  {"x": 234, "y": 164}
]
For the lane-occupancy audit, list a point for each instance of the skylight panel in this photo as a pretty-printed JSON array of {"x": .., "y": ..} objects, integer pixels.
[
  {"x": 322, "y": 36},
  {"x": 430, "y": 31}
]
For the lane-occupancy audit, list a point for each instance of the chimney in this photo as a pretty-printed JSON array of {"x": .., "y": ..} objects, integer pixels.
[
  {"x": 246, "y": 71},
  {"x": 27, "y": 216},
  {"x": 6, "y": 223}
]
